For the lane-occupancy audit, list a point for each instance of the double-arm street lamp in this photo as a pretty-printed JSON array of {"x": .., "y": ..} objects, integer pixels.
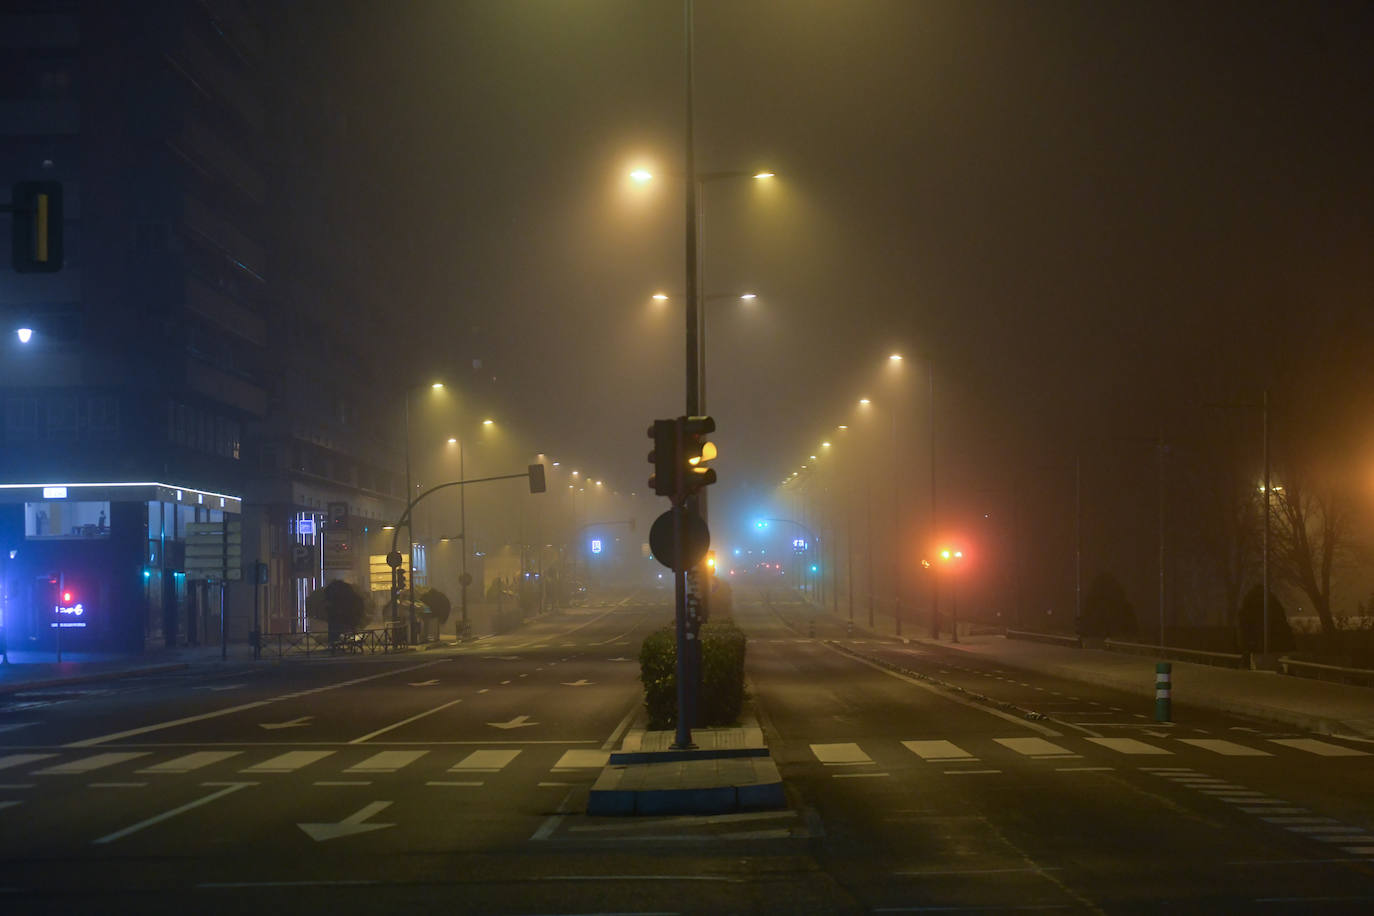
[{"x": 410, "y": 494}]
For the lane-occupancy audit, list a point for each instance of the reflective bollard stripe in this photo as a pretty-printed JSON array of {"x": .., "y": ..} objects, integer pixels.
[{"x": 1163, "y": 691}]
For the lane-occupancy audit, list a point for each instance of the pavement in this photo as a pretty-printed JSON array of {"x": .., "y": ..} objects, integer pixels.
[{"x": 1324, "y": 707}]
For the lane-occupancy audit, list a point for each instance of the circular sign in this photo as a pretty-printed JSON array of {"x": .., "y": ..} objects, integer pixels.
[
  {"x": 393, "y": 559},
  {"x": 696, "y": 539},
  {"x": 465, "y": 580}
]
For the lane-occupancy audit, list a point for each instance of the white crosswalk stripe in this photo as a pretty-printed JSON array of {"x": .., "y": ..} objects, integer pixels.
[
  {"x": 840, "y": 755},
  {"x": 1321, "y": 748},
  {"x": 288, "y": 762},
  {"x": 87, "y": 764},
  {"x": 1128, "y": 746},
  {"x": 19, "y": 760},
  {"x": 938, "y": 751},
  {"x": 386, "y": 762},
  {"x": 485, "y": 761},
  {"x": 188, "y": 762},
  {"x": 582, "y": 759},
  {"x": 1225, "y": 748},
  {"x": 1038, "y": 748}
]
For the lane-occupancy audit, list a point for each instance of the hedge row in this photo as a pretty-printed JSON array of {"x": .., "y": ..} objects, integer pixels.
[{"x": 722, "y": 675}]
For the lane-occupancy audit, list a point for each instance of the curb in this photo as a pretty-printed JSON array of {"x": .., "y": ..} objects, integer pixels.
[{"x": 93, "y": 676}]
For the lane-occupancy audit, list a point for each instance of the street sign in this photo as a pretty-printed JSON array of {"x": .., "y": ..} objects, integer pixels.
[
  {"x": 338, "y": 549},
  {"x": 696, "y": 539},
  {"x": 211, "y": 553},
  {"x": 393, "y": 559}
]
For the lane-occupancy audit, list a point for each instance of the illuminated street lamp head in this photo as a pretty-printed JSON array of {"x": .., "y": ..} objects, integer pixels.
[
  {"x": 825, "y": 445},
  {"x": 895, "y": 357},
  {"x": 642, "y": 175},
  {"x": 452, "y": 440},
  {"x": 813, "y": 457},
  {"x": 24, "y": 334},
  {"x": 488, "y": 422},
  {"x": 842, "y": 426},
  {"x": 748, "y": 297},
  {"x": 660, "y": 297},
  {"x": 764, "y": 174},
  {"x": 864, "y": 402},
  {"x": 437, "y": 385}
]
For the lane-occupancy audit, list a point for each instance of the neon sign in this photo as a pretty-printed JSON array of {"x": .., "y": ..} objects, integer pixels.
[
  {"x": 596, "y": 545},
  {"x": 68, "y": 615}
]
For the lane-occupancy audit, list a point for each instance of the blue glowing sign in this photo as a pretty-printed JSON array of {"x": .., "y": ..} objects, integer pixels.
[
  {"x": 799, "y": 543},
  {"x": 69, "y": 616},
  {"x": 596, "y": 545}
]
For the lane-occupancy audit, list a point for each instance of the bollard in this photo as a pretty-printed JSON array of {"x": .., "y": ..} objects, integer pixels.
[{"x": 1163, "y": 691}]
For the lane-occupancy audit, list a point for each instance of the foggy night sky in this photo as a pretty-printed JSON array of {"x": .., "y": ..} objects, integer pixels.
[{"x": 1095, "y": 216}]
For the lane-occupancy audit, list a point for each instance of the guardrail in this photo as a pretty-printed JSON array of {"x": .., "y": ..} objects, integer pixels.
[
  {"x": 1052, "y": 638},
  {"x": 357, "y": 642},
  {"x": 1220, "y": 659},
  {"x": 1363, "y": 677}
]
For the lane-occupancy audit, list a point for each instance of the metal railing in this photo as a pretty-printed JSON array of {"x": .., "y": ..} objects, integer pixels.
[
  {"x": 1360, "y": 676},
  {"x": 1220, "y": 659},
  {"x": 355, "y": 642},
  {"x": 1052, "y": 638}
]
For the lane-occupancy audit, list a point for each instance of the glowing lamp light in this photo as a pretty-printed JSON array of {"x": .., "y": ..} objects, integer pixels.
[
  {"x": 437, "y": 385},
  {"x": 764, "y": 174},
  {"x": 748, "y": 297},
  {"x": 24, "y": 334},
  {"x": 66, "y": 597},
  {"x": 642, "y": 175},
  {"x": 488, "y": 422},
  {"x": 660, "y": 297}
]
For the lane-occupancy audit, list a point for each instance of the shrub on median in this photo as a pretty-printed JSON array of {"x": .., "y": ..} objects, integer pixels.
[{"x": 722, "y": 675}]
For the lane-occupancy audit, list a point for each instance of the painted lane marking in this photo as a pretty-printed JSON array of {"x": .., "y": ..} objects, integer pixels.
[
  {"x": 1321, "y": 748},
  {"x": 342, "y": 782},
  {"x": 840, "y": 755},
  {"x": 1297, "y": 820},
  {"x": 438, "y": 782},
  {"x": 484, "y": 690},
  {"x": 8, "y": 804},
  {"x": 1084, "y": 769},
  {"x": 941, "y": 751},
  {"x": 550, "y": 785},
  {"x": 18, "y": 760},
  {"x": 116, "y": 785},
  {"x": 1225, "y": 748},
  {"x": 15, "y": 786},
  {"x": 288, "y": 762},
  {"x": 395, "y": 725},
  {"x": 429, "y": 683},
  {"x": 582, "y": 758},
  {"x": 173, "y": 723},
  {"x": 855, "y": 775},
  {"x": 386, "y": 762},
  {"x": 188, "y": 762},
  {"x": 1325, "y": 828},
  {"x": 180, "y": 809},
  {"x": 1129, "y": 746},
  {"x": 485, "y": 761},
  {"x": 1038, "y": 748},
  {"x": 86, "y": 764},
  {"x": 1284, "y": 811},
  {"x": 517, "y": 722},
  {"x": 353, "y": 824},
  {"x": 580, "y": 682},
  {"x": 504, "y": 683},
  {"x": 969, "y": 772},
  {"x": 1359, "y": 850}
]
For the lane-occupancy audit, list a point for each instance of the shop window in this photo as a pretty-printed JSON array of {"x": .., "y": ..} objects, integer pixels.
[{"x": 60, "y": 518}]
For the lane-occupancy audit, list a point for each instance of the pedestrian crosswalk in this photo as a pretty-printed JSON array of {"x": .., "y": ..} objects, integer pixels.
[
  {"x": 253, "y": 762},
  {"x": 974, "y": 750}
]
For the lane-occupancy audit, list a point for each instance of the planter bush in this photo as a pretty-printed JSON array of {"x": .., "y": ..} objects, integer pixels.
[{"x": 722, "y": 675}]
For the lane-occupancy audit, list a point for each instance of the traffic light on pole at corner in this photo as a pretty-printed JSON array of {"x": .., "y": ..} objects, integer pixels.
[
  {"x": 664, "y": 480},
  {"x": 697, "y": 451},
  {"x": 400, "y": 580}
]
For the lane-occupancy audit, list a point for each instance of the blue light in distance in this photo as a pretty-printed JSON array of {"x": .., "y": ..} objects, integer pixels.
[{"x": 596, "y": 545}]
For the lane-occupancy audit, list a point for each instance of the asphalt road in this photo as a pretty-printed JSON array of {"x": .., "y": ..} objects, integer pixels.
[{"x": 457, "y": 779}]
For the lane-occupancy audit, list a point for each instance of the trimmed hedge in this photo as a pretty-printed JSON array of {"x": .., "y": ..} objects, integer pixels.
[{"x": 722, "y": 675}]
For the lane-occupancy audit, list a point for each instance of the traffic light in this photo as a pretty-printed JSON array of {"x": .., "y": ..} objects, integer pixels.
[
  {"x": 400, "y": 580},
  {"x": 697, "y": 451},
  {"x": 664, "y": 480},
  {"x": 36, "y": 226}
]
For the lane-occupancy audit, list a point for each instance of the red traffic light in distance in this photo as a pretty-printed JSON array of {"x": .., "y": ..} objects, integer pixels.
[{"x": 67, "y": 597}]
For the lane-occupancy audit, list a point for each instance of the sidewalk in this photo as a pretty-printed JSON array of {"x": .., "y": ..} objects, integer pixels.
[
  {"x": 29, "y": 670},
  {"x": 1324, "y": 707}
]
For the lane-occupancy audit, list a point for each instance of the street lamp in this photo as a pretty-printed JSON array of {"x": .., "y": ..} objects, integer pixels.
[
  {"x": 951, "y": 558},
  {"x": 410, "y": 494},
  {"x": 24, "y": 334}
]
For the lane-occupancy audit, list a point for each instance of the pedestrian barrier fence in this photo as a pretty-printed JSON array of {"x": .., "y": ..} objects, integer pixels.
[
  {"x": 1057, "y": 639},
  {"x": 1220, "y": 659},
  {"x": 355, "y": 642},
  {"x": 1360, "y": 676}
]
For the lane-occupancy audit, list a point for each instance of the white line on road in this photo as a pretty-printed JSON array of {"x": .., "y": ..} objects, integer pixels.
[
  {"x": 180, "y": 809},
  {"x": 551, "y": 822},
  {"x": 383, "y": 731},
  {"x": 440, "y": 782},
  {"x": 116, "y": 785},
  {"x": 159, "y": 726},
  {"x": 7, "y": 804}
]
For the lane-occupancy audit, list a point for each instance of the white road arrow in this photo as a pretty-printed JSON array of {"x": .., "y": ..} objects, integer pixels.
[
  {"x": 294, "y": 723},
  {"x": 581, "y": 682},
  {"x": 430, "y": 683},
  {"x": 348, "y": 826},
  {"x": 517, "y": 722}
]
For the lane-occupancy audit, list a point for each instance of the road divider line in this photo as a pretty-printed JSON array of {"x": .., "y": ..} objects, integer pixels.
[
  {"x": 395, "y": 725},
  {"x": 159, "y": 726},
  {"x": 167, "y": 815}
]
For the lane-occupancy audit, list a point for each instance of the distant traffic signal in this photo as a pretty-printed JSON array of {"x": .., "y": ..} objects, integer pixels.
[
  {"x": 36, "y": 226},
  {"x": 400, "y": 580},
  {"x": 664, "y": 457}
]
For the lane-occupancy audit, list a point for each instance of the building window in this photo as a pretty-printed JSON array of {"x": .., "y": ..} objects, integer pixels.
[{"x": 61, "y": 518}]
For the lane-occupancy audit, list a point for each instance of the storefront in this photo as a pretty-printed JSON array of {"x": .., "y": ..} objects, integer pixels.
[{"x": 102, "y": 566}]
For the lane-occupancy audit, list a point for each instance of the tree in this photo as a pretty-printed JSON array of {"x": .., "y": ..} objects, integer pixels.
[
  {"x": 1312, "y": 520},
  {"x": 341, "y": 605},
  {"x": 438, "y": 603},
  {"x": 1106, "y": 612}
]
